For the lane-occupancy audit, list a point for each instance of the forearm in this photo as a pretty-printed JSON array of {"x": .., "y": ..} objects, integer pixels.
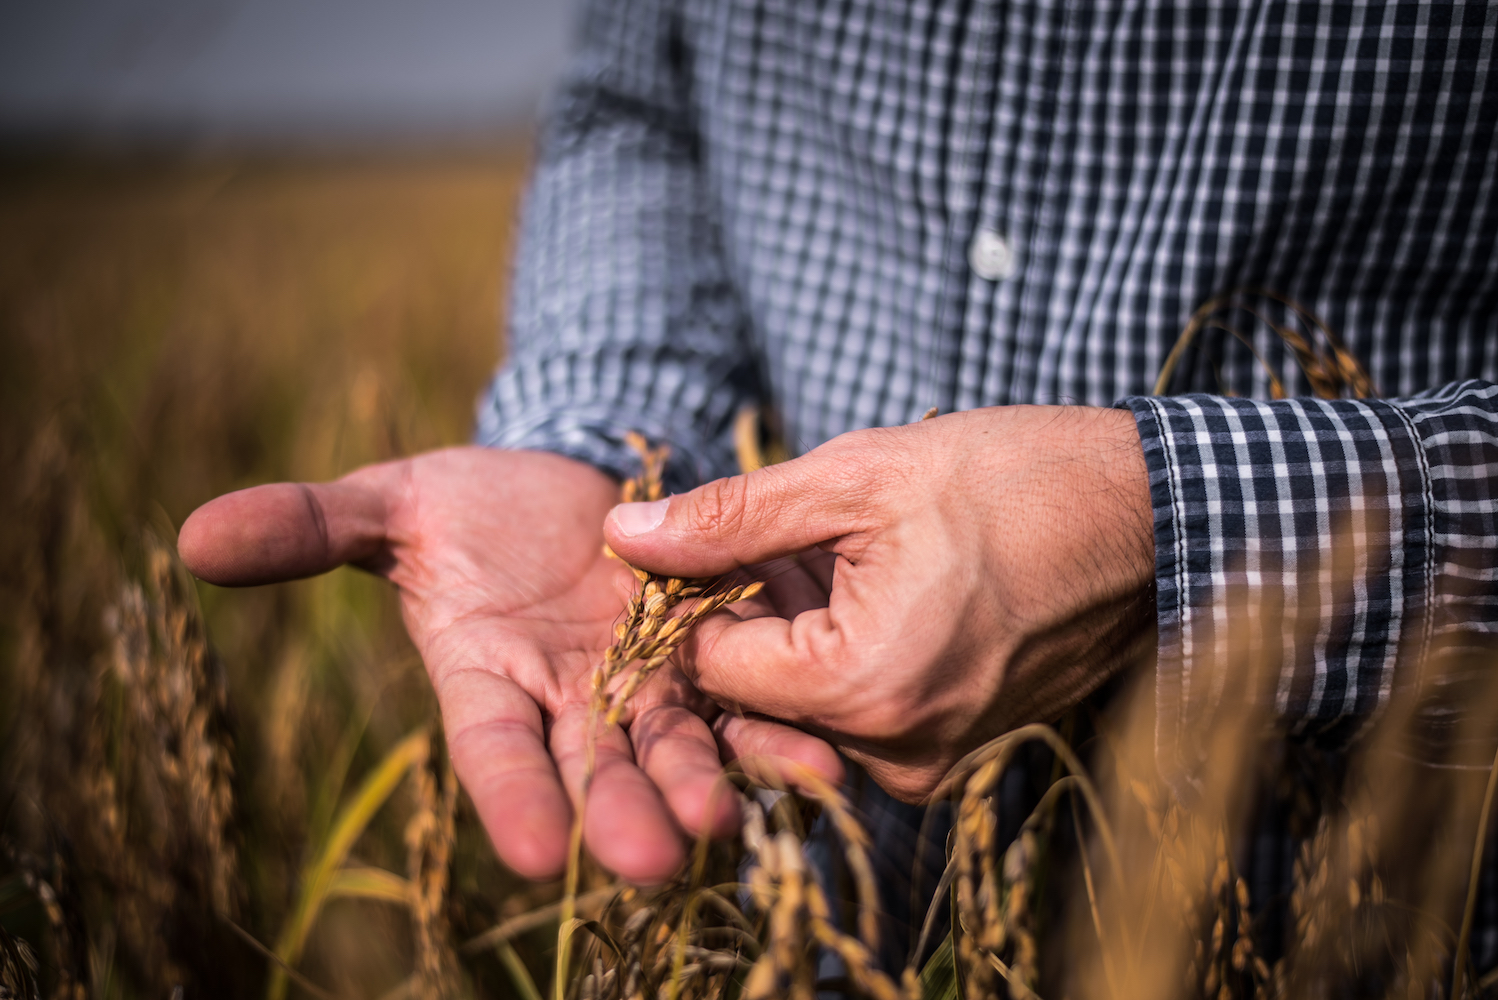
[{"x": 622, "y": 316}]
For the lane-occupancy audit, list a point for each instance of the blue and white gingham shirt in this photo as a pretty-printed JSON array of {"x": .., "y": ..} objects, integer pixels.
[{"x": 853, "y": 211}]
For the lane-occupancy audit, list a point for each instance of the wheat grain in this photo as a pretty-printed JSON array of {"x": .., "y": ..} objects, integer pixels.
[
  {"x": 649, "y": 635},
  {"x": 429, "y": 844}
]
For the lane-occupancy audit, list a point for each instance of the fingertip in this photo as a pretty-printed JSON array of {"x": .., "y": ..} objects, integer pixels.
[
  {"x": 253, "y": 536},
  {"x": 242, "y": 538},
  {"x": 640, "y": 845},
  {"x": 631, "y": 531},
  {"x": 283, "y": 531},
  {"x": 631, "y": 520},
  {"x": 707, "y": 807},
  {"x": 819, "y": 758},
  {"x": 192, "y": 545},
  {"x": 625, "y": 824},
  {"x": 785, "y": 748},
  {"x": 494, "y": 738},
  {"x": 528, "y": 819},
  {"x": 806, "y": 766},
  {"x": 536, "y": 852}
]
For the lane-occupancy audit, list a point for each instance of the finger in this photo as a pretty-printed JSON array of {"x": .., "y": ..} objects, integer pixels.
[
  {"x": 495, "y": 736},
  {"x": 676, "y": 749},
  {"x": 783, "y": 669},
  {"x": 768, "y": 513},
  {"x": 625, "y": 823},
  {"x": 285, "y": 531},
  {"x": 787, "y": 590},
  {"x": 779, "y": 745}
]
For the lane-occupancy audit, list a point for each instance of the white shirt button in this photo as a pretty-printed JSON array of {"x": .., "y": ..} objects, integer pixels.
[{"x": 990, "y": 256}]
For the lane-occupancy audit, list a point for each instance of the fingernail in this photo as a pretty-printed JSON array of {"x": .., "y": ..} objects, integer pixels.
[{"x": 638, "y": 518}]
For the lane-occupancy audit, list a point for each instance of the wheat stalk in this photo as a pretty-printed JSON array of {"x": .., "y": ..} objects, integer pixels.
[
  {"x": 429, "y": 845},
  {"x": 646, "y": 639}
]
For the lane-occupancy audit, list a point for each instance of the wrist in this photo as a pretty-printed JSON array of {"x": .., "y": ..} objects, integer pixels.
[{"x": 1125, "y": 475}]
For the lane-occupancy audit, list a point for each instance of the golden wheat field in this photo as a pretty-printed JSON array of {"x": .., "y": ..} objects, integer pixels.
[
  {"x": 169, "y": 332},
  {"x": 213, "y": 793}
]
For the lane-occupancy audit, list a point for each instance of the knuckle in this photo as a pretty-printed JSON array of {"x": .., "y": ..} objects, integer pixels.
[
  {"x": 857, "y": 450},
  {"x": 913, "y": 788},
  {"x": 863, "y": 460},
  {"x": 719, "y": 508},
  {"x": 887, "y": 721}
]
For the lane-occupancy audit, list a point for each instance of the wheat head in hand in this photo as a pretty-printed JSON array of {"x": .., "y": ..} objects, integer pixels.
[{"x": 649, "y": 634}]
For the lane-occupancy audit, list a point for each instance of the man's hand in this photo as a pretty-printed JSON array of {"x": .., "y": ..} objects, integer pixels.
[
  {"x": 509, "y": 599},
  {"x": 955, "y": 578}
]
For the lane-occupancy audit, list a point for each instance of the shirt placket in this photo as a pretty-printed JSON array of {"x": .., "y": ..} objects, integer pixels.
[
  {"x": 1004, "y": 261},
  {"x": 969, "y": 110}
]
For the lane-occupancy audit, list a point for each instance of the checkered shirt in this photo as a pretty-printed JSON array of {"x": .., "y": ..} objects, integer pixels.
[{"x": 854, "y": 211}]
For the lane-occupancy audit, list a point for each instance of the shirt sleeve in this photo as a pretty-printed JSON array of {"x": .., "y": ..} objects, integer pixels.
[
  {"x": 1325, "y": 548},
  {"x": 622, "y": 315}
]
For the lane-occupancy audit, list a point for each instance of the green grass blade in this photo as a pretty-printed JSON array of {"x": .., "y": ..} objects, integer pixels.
[
  {"x": 370, "y": 883},
  {"x": 330, "y": 787},
  {"x": 564, "y": 947},
  {"x": 939, "y": 977},
  {"x": 519, "y": 974},
  {"x": 346, "y": 829}
]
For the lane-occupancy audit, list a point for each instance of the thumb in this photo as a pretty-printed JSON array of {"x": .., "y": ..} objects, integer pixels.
[
  {"x": 732, "y": 522},
  {"x": 285, "y": 531}
]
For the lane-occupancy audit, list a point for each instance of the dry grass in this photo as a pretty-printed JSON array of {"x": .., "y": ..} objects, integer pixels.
[
  {"x": 169, "y": 332},
  {"x": 429, "y": 842},
  {"x": 271, "y": 814}
]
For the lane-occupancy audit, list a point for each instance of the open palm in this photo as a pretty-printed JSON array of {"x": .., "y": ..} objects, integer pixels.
[{"x": 510, "y": 601}]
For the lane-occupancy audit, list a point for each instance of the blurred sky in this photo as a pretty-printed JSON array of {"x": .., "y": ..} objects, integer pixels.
[{"x": 280, "y": 70}]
